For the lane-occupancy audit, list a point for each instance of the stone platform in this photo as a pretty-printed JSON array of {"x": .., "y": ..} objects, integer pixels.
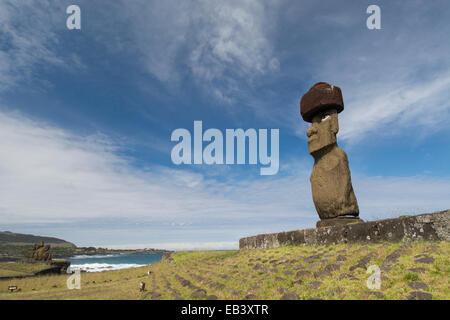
[{"x": 430, "y": 227}]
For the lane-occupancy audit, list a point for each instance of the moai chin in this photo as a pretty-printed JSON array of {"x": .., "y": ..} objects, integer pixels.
[{"x": 331, "y": 183}]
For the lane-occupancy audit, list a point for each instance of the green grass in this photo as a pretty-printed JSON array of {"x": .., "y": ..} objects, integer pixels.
[
  {"x": 15, "y": 269},
  {"x": 264, "y": 273},
  {"x": 411, "y": 276}
]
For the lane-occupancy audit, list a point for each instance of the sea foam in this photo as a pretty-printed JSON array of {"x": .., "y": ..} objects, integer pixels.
[
  {"x": 98, "y": 267},
  {"x": 85, "y": 256}
]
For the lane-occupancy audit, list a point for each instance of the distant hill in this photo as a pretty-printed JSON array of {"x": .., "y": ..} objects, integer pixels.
[{"x": 11, "y": 238}]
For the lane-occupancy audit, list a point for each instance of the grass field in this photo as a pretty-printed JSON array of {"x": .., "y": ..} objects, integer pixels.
[
  {"x": 18, "y": 269},
  {"x": 324, "y": 272}
]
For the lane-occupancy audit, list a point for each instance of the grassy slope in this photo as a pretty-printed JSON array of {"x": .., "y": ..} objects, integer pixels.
[
  {"x": 267, "y": 274},
  {"x": 20, "y": 269}
]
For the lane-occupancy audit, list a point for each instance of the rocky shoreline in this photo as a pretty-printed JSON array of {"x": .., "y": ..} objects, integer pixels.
[{"x": 20, "y": 253}]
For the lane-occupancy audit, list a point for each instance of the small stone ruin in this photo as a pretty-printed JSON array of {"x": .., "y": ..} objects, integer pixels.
[{"x": 41, "y": 252}]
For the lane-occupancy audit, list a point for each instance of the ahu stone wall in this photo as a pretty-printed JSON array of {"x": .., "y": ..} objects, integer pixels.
[{"x": 430, "y": 227}]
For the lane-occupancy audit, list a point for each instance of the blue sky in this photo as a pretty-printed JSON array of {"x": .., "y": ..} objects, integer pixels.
[{"x": 86, "y": 115}]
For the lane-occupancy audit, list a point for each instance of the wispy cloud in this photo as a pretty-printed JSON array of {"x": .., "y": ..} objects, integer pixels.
[
  {"x": 30, "y": 41},
  {"x": 228, "y": 47},
  {"x": 412, "y": 106},
  {"x": 54, "y": 177},
  {"x": 392, "y": 79},
  {"x": 50, "y": 174},
  {"x": 220, "y": 45}
]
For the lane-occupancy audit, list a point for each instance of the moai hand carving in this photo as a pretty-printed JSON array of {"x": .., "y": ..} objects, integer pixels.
[{"x": 331, "y": 184}]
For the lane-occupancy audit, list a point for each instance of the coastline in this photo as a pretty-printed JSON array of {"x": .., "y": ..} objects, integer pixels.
[
  {"x": 328, "y": 272},
  {"x": 114, "y": 261}
]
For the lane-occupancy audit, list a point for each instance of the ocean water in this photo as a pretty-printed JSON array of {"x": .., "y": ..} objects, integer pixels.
[{"x": 97, "y": 263}]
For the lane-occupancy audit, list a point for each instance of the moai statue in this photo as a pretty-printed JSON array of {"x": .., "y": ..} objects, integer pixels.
[
  {"x": 331, "y": 183},
  {"x": 41, "y": 252}
]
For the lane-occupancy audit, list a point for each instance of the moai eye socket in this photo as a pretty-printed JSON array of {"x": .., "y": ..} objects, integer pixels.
[{"x": 325, "y": 117}]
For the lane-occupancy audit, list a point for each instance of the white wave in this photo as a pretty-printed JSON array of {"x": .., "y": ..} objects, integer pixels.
[
  {"x": 98, "y": 267},
  {"x": 85, "y": 256}
]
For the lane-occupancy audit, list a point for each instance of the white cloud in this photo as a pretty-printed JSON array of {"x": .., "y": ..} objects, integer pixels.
[
  {"x": 390, "y": 197},
  {"x": 30, "y": 41},
  {"x": 52, "y": 176},
  {"x": 217, "y": 42},
  {"x": 392, "y": 79},
  {"x": 231, "y": 35},
  {"x": 27, "y": 41},
  {"x": 390, "y": 82},
  {"x": 412, "y": 106}
]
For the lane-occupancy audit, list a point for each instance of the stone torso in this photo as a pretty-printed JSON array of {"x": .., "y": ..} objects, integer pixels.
[{"x": 331, "y": 185}]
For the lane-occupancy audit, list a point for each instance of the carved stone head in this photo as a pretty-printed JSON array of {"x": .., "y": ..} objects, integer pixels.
[
  {"x": 320, "y": 106},
  {"x": 323, "y": 130}
]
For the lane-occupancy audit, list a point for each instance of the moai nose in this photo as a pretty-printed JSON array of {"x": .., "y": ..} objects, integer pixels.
[{"x": 312, "y": 130}]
